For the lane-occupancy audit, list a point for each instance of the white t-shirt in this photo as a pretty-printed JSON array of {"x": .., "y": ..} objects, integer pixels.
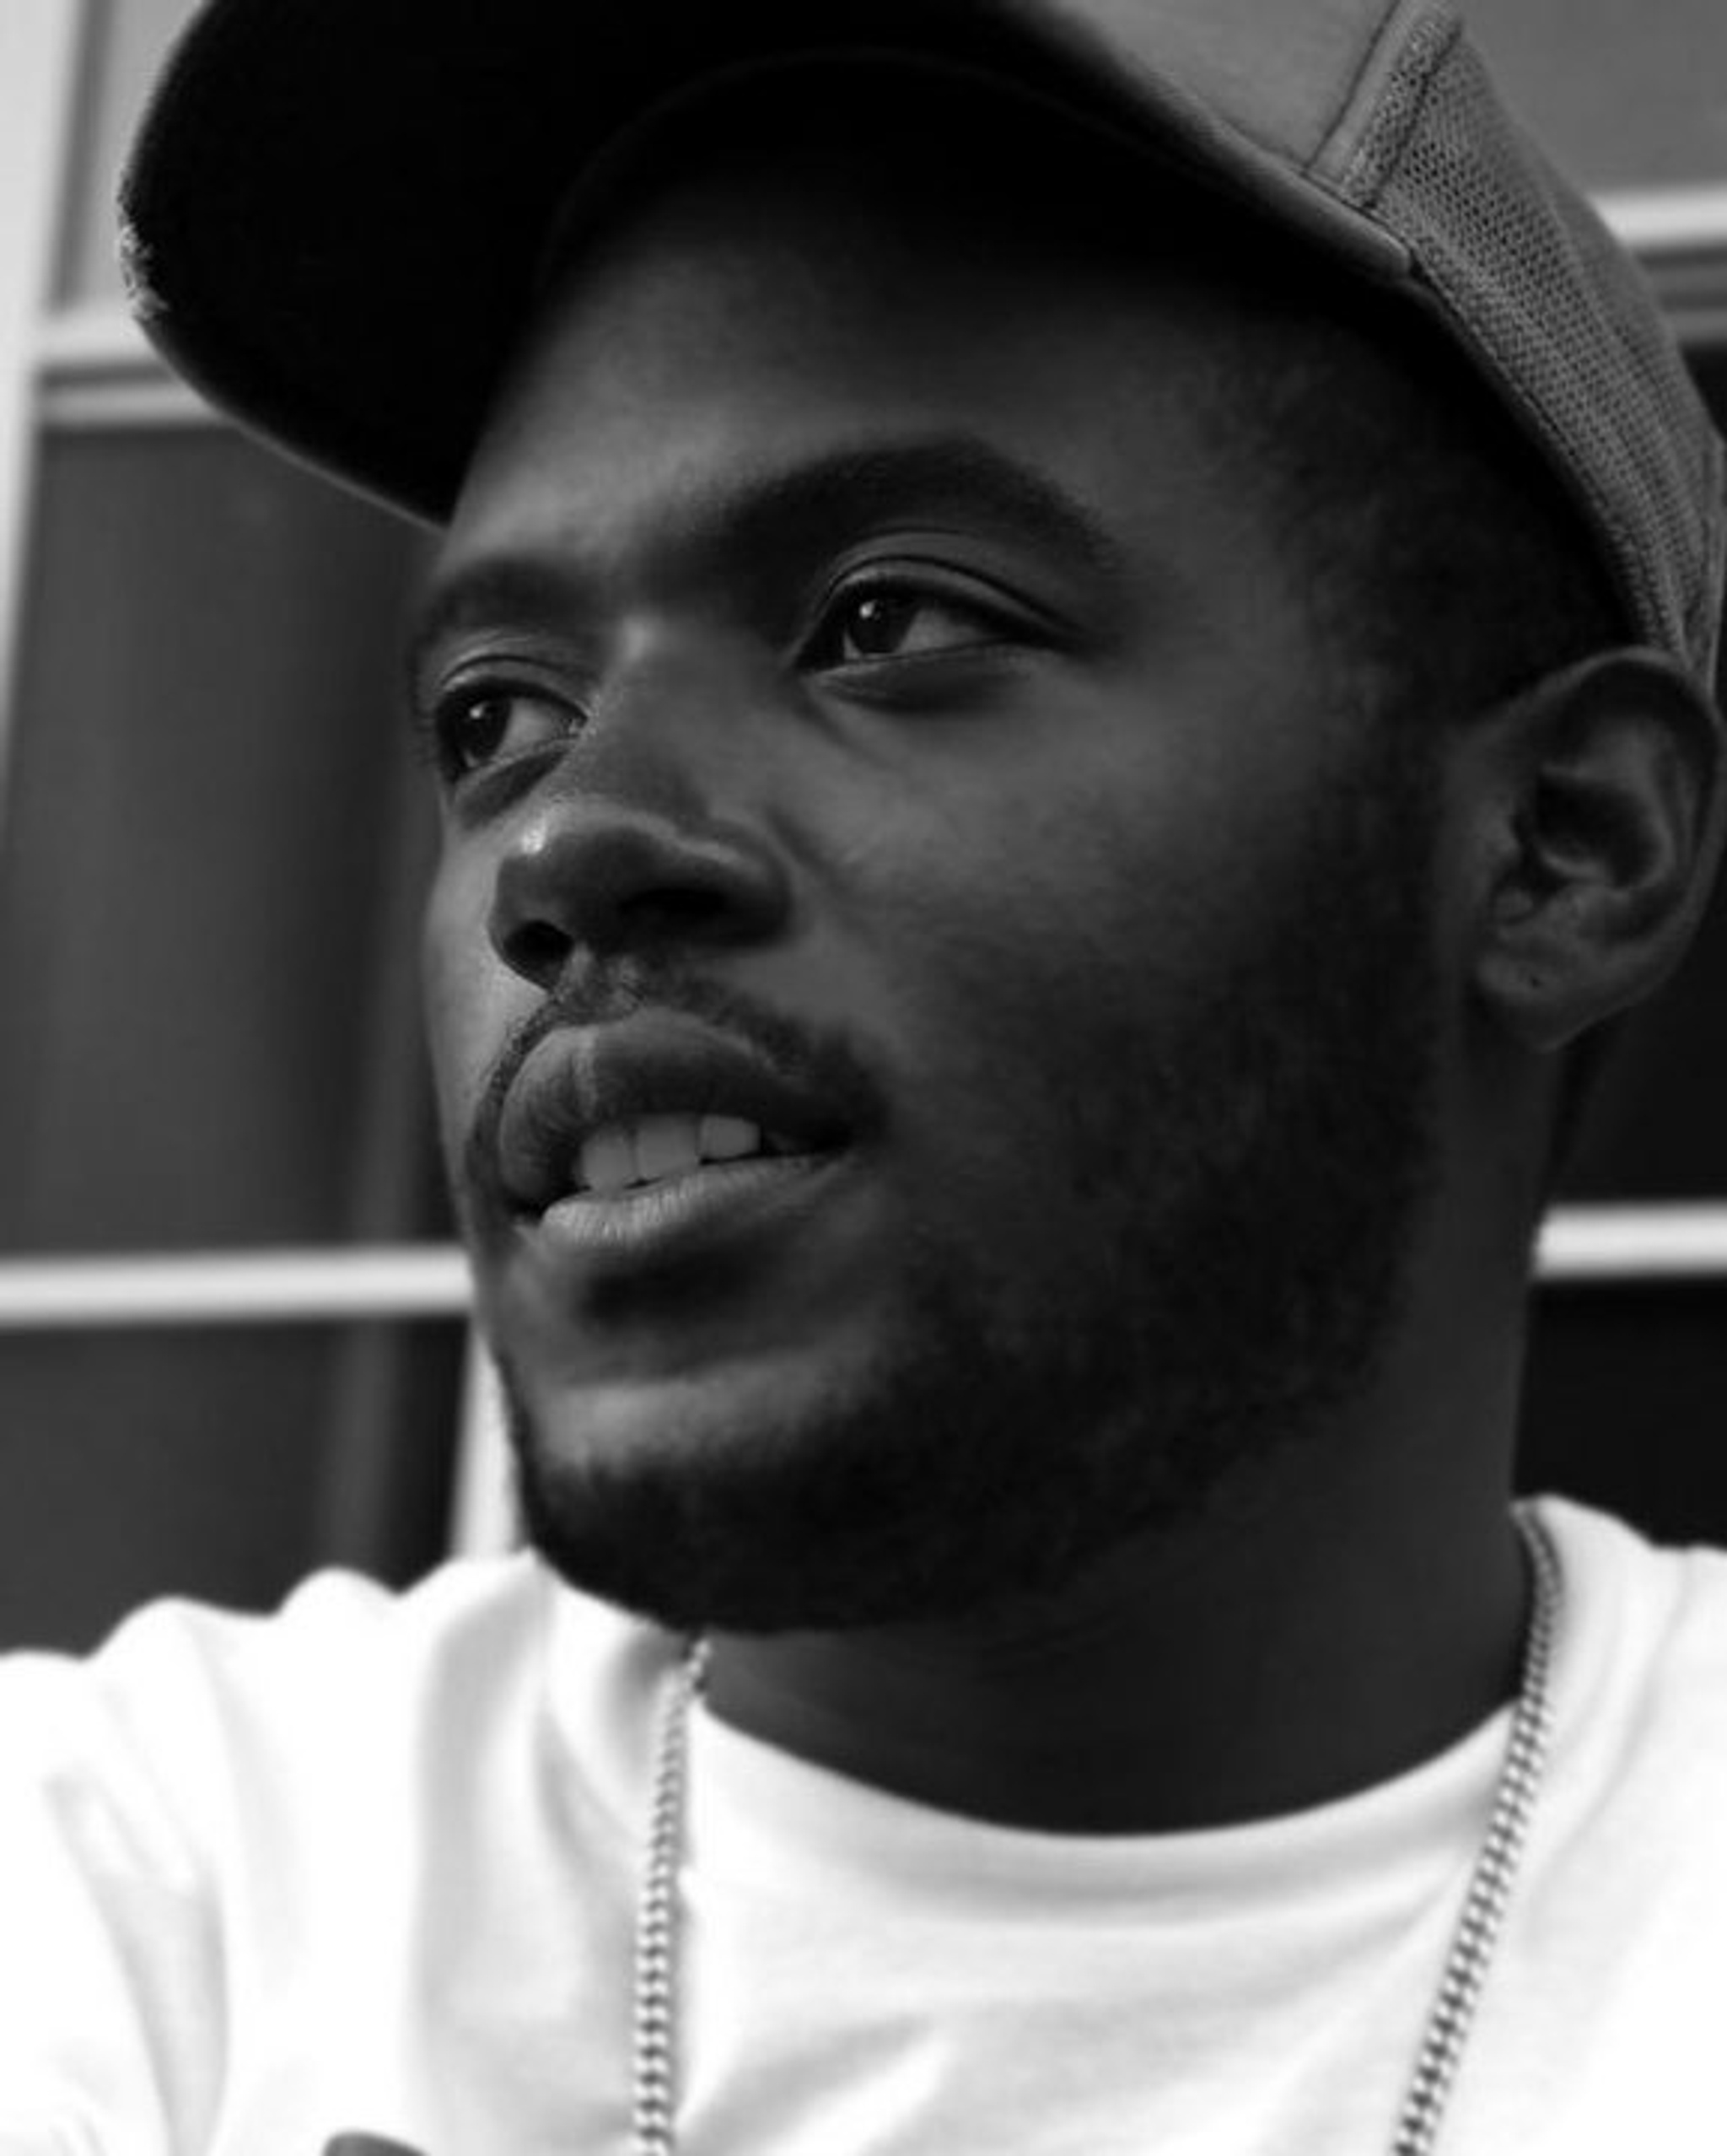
[{"x": 370, "y": 1865}]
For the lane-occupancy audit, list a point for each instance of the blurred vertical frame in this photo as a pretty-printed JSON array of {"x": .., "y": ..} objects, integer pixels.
[{"x": 40, "y": 46}]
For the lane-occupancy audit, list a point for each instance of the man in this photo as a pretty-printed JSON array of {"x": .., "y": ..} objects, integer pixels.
[{"x": 1066, "y": 674}]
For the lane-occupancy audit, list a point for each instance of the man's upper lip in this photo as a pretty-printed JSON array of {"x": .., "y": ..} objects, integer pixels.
[{"x": 579, "y": 1079}]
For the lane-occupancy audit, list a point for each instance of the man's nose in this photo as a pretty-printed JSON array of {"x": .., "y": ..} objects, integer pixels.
[{"x": 588, "y": 875}]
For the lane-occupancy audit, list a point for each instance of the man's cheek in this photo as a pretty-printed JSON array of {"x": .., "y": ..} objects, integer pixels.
[{"x": 469, "y": 1001}]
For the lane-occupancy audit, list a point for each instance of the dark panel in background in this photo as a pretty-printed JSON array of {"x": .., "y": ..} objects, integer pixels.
[
  {"x": 216, "y": 835},
  {"x": 1657, "y": 1128},
  {"x": 221, "y": 1464},
  {"x": 214, "y": 831},
  {"x": 1626, "y": 1405}
]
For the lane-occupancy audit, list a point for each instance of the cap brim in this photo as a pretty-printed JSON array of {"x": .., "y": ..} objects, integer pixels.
[{"x": 335, "y": 213}]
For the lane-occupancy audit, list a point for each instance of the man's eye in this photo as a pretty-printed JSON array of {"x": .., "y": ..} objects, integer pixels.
[
  {"x": 477, "y": 727},
  {"x": 898, "y": 621}
]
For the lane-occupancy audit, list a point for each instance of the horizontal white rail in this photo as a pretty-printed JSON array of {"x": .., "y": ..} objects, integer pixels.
[
  {"x": 241, "y": 1288},
  {"x": 97, "y": 338},
  {"x": 1655, "y": 221},
  {"x": 140, "y": 400},
  {"x": 1579, "y": 1243},
  {"x": 1611, "y": 1243}
]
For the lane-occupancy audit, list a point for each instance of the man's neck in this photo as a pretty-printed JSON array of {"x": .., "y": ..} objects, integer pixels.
[{"x": 1260, "y": 1662}]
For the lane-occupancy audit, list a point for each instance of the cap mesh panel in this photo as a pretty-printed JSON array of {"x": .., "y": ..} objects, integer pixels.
[{"x": 1563, "y": 321}]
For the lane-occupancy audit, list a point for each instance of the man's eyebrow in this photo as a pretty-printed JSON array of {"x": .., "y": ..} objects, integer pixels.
[
  {"x": 957, "y": 474},
  {"x": 820, "y": 500},
  {"x": 506, "y": 587}
]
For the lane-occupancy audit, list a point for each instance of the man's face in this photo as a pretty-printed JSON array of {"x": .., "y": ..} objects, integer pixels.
[{"x": 857, "y": 646}]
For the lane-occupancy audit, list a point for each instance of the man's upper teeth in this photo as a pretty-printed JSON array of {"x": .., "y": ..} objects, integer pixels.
[{"x": 653, "y": 1146}]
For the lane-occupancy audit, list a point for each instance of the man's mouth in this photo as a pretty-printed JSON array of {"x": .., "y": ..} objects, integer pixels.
[
  {"x": 646, "y": 1194},
  {"x": 637, "y": 1153},
  {"x": 656, "y": 1137}
]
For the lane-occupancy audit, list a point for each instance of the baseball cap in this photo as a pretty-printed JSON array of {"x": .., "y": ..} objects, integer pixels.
[{"x": 335, "y": 213}]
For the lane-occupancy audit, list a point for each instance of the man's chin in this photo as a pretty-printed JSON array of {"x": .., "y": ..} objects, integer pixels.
[
  {"x": 729, "y": 1495},
  {"x": 796, "y": 1497}
]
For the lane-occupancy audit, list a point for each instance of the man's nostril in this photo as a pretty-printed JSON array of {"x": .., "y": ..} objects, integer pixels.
[{"x": 537, "y": 949}]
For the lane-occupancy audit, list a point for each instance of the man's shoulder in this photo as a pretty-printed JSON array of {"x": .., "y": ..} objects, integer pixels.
[
  {"x": 1677, "y": 1583},
  {"x": 223, "y": 1834},
  {"x": 1643, "y": 1651},
  {"x": 334, "y": 1628},
  {"x": 196, "y": 1701}
]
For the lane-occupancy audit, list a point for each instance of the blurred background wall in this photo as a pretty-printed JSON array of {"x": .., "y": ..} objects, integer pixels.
[{"x": 232, "y": 1333}]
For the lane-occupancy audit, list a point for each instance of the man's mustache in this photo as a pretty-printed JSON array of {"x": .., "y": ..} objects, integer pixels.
[{"x": 819, "y": 1060}]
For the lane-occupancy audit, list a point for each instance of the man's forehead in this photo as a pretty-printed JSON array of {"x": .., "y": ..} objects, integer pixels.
[
  {"x": 818, "y": 265},
  {"x": 967, "y": 160}
]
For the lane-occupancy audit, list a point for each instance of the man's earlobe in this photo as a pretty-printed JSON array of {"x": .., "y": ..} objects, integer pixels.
[{"x": 1597, "y": 821}]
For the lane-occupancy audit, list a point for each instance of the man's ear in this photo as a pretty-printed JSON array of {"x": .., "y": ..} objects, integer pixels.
[{"x": 1596, "y": 811}]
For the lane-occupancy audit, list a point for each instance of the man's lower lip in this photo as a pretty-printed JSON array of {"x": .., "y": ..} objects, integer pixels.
[{"x": 666, "y": 1220}]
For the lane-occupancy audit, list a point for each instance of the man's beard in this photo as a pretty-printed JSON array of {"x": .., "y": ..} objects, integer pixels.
[{"x": 1243, "y": 1187}]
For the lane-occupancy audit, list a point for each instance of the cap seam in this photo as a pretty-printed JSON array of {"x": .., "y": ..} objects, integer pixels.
[
  {"x": 1316, "y": 166},
  {"x": 1381, "y": 151}
]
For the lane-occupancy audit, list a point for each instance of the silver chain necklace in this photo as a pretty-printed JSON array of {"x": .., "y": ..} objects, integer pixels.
[{"x": 655, "y": 2117}]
